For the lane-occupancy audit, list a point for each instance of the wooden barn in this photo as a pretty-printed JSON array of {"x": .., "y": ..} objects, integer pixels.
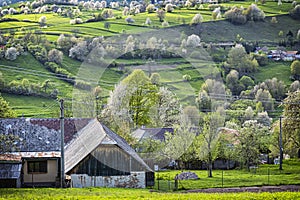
[
  {"x": 99, "y": 157},
  {"x": 94, "y": 155}
]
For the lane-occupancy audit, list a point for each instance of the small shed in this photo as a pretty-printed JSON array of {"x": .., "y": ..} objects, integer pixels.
[{"x": 10, "y": 171}]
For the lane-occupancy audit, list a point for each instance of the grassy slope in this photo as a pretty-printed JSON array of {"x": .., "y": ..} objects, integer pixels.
[{"x": 264, "y": 32}]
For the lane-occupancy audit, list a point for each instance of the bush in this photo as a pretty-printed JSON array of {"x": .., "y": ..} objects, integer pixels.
[
  {"x": 195, "y": 55},
  {"x": 295, "y": 12},
  {"x": 76, "y": 21},
  {"x": 129, "y": 20},
  {"x": 235, "y": 15},
  {"x": 193, "y": 41},
  {"x": 150, "y": 8},
  {"x": 165, "y": 24},
  {"x": 83, "y": 85},
  {"x": 169, "y": 7},
  {"x": 11, "y": 53},
  {"x": 262, "y": 59},
  {"x": 197, "y": 19},
  {"x": 253, "y": 13},
  {"x": 55, "y": 55},
  {"x": 295, "y": 70},
  {"x": 60, "y": 71}
]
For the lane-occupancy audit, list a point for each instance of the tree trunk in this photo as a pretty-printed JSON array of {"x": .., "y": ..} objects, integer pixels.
[{"x": 209, "y": 165}]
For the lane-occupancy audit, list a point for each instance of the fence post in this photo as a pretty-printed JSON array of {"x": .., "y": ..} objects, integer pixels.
[
  {"x": 222, "y": 178},
  {"x": 176, "y": 182},
  {"x": 157, "y": 181},
  {"x": 268, "y": 176}
]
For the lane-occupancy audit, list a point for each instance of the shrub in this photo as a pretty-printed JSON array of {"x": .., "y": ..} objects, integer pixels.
[
  {"x": 197, "y": 19},
  {"x": 165, "y": 24},
  {"x": 148, "y": 21},
  {"x": 295, "y": 12},
  {"x": 55, "y": 55},
  {"x": 129, "y": 20},
  {"x": 186, "y": 77},
  {"x": 235, "y": 15},
  {"x": 253, "y": 13},
  {"x": 11, "y": 53},
  {"x": 295, "y": 70},
  {"x": 193, "y": 41},
  {"x": 150, "y": 8},
  {"x": 83, "y": 85},
  {"x": 169, "y": 7}
]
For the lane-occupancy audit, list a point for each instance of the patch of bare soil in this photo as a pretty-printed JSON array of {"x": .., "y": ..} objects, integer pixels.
[{"x": 282, "y": 188}]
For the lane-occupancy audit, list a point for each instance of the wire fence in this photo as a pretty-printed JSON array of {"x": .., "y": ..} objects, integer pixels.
[{"x": 165, "y": 181}]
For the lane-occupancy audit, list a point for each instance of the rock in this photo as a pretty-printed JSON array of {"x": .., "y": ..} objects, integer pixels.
[{"x": 186, "y": 176}]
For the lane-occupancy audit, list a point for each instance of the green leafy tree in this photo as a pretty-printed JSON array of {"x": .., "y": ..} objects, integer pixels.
[
  {"x": 253, "y": 140},
  {"x": 167, "y": 109},
  {"x": 197, "y": 19},
  {"x": 239, "y": 60},
  {"x": 295, "y": 69},
  {"x": 291, "y": 125},
  {"x": 5, "y": 110},
  {"x": 210, "y": 136},
  {"x": 265, "y": 98},
  {"x": 177, "y": 144},
  {"x": 131, "y": 101},
  {"x": 204, "y": 101},
  {"x": 246, "y": 81}
]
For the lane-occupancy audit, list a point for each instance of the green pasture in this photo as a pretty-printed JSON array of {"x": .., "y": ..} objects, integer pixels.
[
  {"x": 279, "y": 70},
  {"x": 26, "y": 66},
  {"x": 29, "y": 106},
  {"x": 263, "y": 175}
]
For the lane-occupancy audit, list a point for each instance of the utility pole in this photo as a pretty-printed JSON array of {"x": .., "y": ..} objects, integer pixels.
[
  {"x": 62, "y": 134},
  {"x": 280, "y": 144}
]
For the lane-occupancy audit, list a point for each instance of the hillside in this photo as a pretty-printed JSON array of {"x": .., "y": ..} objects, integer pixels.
[{"x": 171, "y": 70}]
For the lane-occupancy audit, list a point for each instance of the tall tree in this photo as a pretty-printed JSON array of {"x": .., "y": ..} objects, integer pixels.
[
  {"x": 291, "y": 121},
  {"x": 210, "y": 136},
  {"x": 166, "y": 110},
  {"x": 131, "y": 101},
  {"x": 177, "y": 144},
  {"x": 253, "y": 140}
]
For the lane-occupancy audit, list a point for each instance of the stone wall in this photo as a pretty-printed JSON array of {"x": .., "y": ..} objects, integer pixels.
[{"x": 134, "y": 180}]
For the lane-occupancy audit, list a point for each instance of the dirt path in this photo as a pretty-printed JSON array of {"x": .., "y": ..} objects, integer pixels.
[{"x": 282, "y": 188}]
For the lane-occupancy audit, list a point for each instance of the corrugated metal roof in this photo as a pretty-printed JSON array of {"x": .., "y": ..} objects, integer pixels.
[
  {"x": 86, "y": 141},
  {"x": 10, "y": 170},
  {"x": 153, "y": 133},
  {"x": 10, "y": 157},
  {"x": 41, "y": 135},
  {"x": 47, "y": 154}
]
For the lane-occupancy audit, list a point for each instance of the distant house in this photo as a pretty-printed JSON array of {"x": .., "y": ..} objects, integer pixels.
[
  {"x": 94, "y": 155},
  {"x": 290, "y": 55},
  {"x": 151, "y": 133}
]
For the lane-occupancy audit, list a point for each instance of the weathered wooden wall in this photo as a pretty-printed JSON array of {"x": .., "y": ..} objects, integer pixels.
[
  {"x": 107, "y": 160},
  {"x": 134, "y": 180}
]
